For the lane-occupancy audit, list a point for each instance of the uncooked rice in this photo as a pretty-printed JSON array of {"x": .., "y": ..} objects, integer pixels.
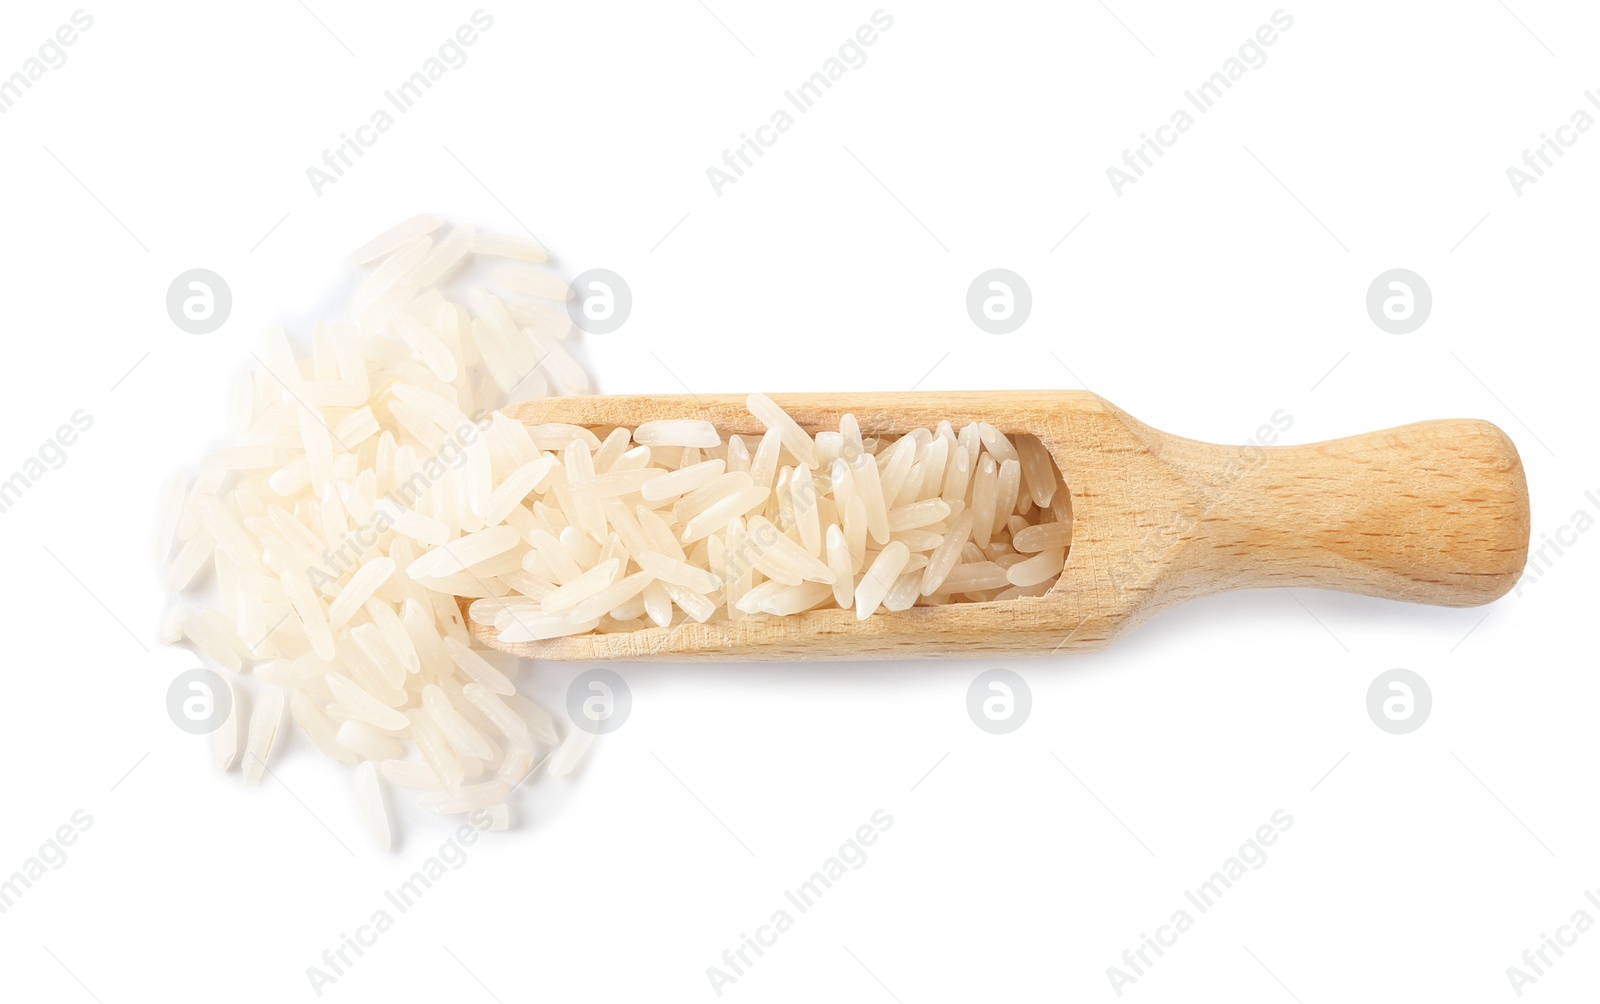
[
  {"x": 372, "y": 484},
  {"x": 690, "y": 525}
]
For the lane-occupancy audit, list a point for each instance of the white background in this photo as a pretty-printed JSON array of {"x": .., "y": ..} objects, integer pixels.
[{"x": 1225, "y": 285}]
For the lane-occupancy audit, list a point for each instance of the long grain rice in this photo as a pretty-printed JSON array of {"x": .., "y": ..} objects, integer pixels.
[
  {"x": 369, "y": 456},
  {"x": 265, "y": 722},
  {"x": 369, "y": 796}
]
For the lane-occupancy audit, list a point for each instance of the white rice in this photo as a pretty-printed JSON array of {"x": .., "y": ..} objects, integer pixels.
[
  {"x": 362, "y": 585},
  {"x": 678, "y": 432},
  {"x": 532, "y": 282},
  {"x": 469, "y": 799},
  {"x": 369, "y": 797},
  {"x": 365, "y": 741},
  {"x": 497, "y": 711},
  {"x": 879, "y": 578},
  {"x": 409, "y": 774},
  {"x": 903, "y": 594},
  {"x": 976, "y": 576},
  {"x": 395, "y": 237},
  {"x": 503, "y": 246},
  {"x": 436, "y": 751},
  {"x": 315, "y": 723},
  {"x": 384, "y": 286},
  {"x": 985, "y": 494},
  {"x": 225, "y": 741},
  {"x": 265, "y": 721},
  {"x": 478, "y": 669},
  {"x": 457, "y": 730},
  {"x": 800, "y": 445},
  {"x": 368, "y": 489},
  {"x": 1040, "y": 568},
  {"x": 567, "y": 756},
  {"x": 358, "y": 701}
]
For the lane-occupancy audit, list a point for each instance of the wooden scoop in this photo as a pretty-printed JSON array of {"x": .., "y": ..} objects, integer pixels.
[{"x": 1434, "y": 512}]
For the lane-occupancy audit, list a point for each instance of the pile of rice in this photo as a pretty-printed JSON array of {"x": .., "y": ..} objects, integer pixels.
[{"x": 371, "y": 483}]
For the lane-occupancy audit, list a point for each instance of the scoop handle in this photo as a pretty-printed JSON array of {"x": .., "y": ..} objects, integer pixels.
[{"x": 1433, "y": 512}]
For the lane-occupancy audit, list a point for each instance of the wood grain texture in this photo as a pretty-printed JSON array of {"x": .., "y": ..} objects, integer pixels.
[{"x": 1434, "y": 512}]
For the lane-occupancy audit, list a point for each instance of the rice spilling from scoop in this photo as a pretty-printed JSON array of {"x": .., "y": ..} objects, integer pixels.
[{"x": 372, "y": 483}]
